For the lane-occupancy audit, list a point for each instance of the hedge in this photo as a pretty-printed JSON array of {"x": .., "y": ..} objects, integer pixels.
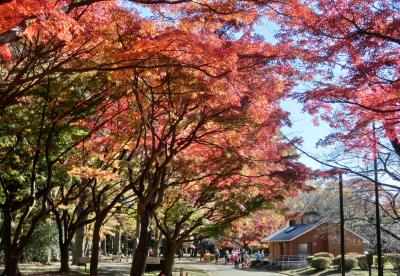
[
  {"x": 309, "y": 258},
  {"x": 350, "y": 262},
  {"x": 324, "y": 254},
  {"x": 353, "y": 254},
  {"x": 321, "y": 263},
  {"x": 362, "y": 262},
  {"x": 394, "y": 260}
]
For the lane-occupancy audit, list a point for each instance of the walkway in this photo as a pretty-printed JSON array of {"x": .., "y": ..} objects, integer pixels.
[
  {"x": 228, "y": 270},
  {"x": 123, "y": 269}
]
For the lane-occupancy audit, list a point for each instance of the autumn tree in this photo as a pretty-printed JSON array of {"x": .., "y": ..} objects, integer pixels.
[
  {"x": 233, "y": 184},
  {"x": 46, "y": 108},
  {"x": 248, "y": 232},
  {"x": 200, "y": 80},
  {"x": 41, "y": 141},
  {"x": 350, "y": 56}
]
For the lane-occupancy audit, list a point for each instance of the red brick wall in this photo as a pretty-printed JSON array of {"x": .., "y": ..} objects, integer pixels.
[
  {"x": 352, "y": 243},
  {"x": 316, "y": 239}
]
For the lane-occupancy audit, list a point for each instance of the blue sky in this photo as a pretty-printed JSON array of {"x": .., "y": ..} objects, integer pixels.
[{"x": 302, "y": 124}]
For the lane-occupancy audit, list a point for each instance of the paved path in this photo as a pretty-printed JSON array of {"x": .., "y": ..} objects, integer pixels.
[
  {"x": 228, "y": 270},
  {"x": 114, "y": 269},
  {"x": 123, "y": 269}
]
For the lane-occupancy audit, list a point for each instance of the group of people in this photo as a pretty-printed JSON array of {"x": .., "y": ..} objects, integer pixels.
[{"x": 236, "y": 257}]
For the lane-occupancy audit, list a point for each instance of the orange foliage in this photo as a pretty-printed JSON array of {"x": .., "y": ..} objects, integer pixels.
[{"x": 250, "y": 231}]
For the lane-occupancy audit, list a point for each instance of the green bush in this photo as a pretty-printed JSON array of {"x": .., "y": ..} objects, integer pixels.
[
  {"x": 336, "y": 260},
  {"x": 350, "y": 262},
  {"x": 394, "y": 260},
  {"x": 309, "y": 258},
  {"x": 362, "y": 262},
  {"x": 353, "y": 254},
  {"x": 384, "y": 261},
  {"x": 324, "y": 254},
  {"x": 43, "y": 241},
  {"x": 321, "y": 263}
]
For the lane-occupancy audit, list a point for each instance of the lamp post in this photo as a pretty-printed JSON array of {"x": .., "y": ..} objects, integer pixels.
[
  {"x": 342, "y": 252},
  {"x": 377, "y": 207}
]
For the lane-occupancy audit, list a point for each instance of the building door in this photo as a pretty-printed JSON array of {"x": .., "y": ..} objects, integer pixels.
[
  {"x": 303, "y": 249},
  {"x": 282, "y": 248}
]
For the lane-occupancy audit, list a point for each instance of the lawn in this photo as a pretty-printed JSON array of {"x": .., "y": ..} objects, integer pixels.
[{"x": 334, "y": 271}]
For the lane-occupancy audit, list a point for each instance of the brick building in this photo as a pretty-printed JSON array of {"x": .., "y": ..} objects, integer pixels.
[{"x": 309, "y": 235}]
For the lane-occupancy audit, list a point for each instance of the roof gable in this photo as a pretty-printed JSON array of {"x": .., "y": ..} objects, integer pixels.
[{"x": 297, "y": 231}]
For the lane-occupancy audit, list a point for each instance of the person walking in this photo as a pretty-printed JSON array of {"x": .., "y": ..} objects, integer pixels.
[
  {"x": 216, "y": 255},
  {"x": 226, "y": 257},
  {"x": 235, "y": 260},
  {"x": 258, "y": 260},
  {"x": 245, "y": 260}
]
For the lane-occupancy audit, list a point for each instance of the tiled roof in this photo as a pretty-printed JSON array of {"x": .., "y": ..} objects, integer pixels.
[{"x": 290, "y": 233}]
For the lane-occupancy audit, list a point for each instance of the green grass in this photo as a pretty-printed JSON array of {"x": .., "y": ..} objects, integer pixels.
[{"x": 334, "y": 271}]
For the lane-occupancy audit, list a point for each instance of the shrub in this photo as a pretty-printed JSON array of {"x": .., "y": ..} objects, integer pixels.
[
  {"x": 362, "y": 262},
  {"x": 353, "y": 254},
  {"x": 336, "y": 260},
  {"x": 350, "y": 262},
  {"x": 384, "y": 261},
  {"x": 309, "y": 258},
  {"x": 321, "y": 263},
  {"x": 324, "y": 254},
  {"x": 394, "y": 260}
]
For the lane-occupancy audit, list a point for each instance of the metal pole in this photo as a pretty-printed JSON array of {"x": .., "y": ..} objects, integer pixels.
[
  {"x": 377, "y": 210},
  {"x": 342, "y": 252}
]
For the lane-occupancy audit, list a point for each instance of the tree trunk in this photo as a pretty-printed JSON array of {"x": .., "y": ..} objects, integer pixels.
[
  {"x": 11, "y": 253},
  {"x": 157, "y": 244},
  {"x": 11, "y": 259},
  {"x": 117, "y": 243},
  {"x": 78, "y": 247},
  {"x": 170, "y": 248},
  {"x": 64, "y": 257},
  {"x": 94, "y": 261},
  {"x": 142, "y": 249},
  {"x": 11, "y": 266}
]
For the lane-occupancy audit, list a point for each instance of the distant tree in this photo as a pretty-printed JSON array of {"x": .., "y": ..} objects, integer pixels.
[
  {"x": 248, "y": 232},
  {"x": 359, "y": 209}
]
